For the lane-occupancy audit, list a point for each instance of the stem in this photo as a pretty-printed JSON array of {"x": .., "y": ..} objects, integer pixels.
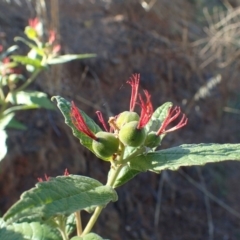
[
  {"x": 78, "y": 222},
  {"x": 60, "y": 224},
  {"x": 92, "y": 220},
  {"x": 29, "y": 81},
  {"x": 99, "y": 209},
  {"x": 64, "y": 236}
]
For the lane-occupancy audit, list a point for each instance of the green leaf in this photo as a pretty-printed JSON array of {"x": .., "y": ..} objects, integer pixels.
[
  {"x": 125, "y": 175},
  {"x": 68, "y": 58},
  {"x": 3, "y": 144},
  {"x": 4, "y": 121},
  {"x": 61, "y": 195},
  {"x": 185, "y": 155},
  {"x": 16, "y": 124},
  {"x": 7, "y": 234},
  {"x": 65, "y": 108},
  {"x": 34, "y": 230},
  {"x": 27, "y": 61},
  {"x": 31, "y": 98},
  {"x": 89, "y": 236},
  {"x": 70, "y": 224},
  {"x": 36, "y": 63}
]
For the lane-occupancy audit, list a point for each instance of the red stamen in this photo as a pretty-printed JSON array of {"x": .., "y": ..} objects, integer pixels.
[
  {"x": 79, "y": 122},
  {"x": 66, "y": 173},
  {"x": 40, "y": 179},
  {"x": 146, "y": 110},
  {"x": 101, "y": 120},
  {"x": 56, "y": 48},
  {"x": 173, "y": 113},
  {"x": 46, "y": 178},
  {"x": 52, "y": 36},
  {"x": 134, "y": 82},
  {"x": 33, "y": 22}
]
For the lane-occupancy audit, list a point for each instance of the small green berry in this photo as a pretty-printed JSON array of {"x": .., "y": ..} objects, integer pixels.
[
  {"x": 130, "y": 135},
  {"x": 105, "y": 145},
  {"x": 152, "y": 140},
  {"x": 126, "y": 117}
]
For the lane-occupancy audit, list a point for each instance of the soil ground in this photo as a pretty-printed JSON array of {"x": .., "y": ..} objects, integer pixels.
[{"x": 158, "y": 44}]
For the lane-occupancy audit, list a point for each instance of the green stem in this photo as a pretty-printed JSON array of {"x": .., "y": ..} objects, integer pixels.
[
  {"x": 29, "y": 81},
  {"x": 64, "y": 235},
  {"x": 78, "y": 222},
  {"x": 92, "y": 220},
  {"x": 99, "y": 209},
  {"x": 60, "y": 224}
]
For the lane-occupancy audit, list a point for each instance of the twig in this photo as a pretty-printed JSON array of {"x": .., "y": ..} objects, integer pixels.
[
  {"x": 210, "y": 195},
  {"x": 208, "y": 207},
  {"x": 162, "y": 177}
]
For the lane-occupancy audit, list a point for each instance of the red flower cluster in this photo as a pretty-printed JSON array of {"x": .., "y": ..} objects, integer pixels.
[{"x": 146, "y": 112}]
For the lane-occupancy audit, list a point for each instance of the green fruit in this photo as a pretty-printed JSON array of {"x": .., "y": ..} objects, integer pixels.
[
  {"x": 152, "y": 140},
  {"x": 126, "y": 117},
  {"x": 131, "y": 136},
  {"x": 105, "y": 145}
]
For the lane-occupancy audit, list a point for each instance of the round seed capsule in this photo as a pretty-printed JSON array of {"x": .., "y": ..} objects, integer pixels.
[
  {"x": 130, "y": 135},
  {"x": 126, "y": 117},
  {"x": 105, "y": 145}
]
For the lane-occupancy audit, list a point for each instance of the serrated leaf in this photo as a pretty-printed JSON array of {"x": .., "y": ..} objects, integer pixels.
[
  {"x": 31, "y": 98},
  {"x": 65, "y": 108},
  {"x": 2, "y": 223},
  {"x": 3, "y": 144},
  {"x": 7, "y": 234},
  {"x": 61, "y": 195},
  {"x": 125, "y": 175},
  {"x": 36, "y": 63},
  {"x": 68, "y": 58},
  {"x": 35, "y": 231},
  {"x": 70, "y": 224},
  {"x": 185, "y": 155},
  {"x": 89, "y": 236}
]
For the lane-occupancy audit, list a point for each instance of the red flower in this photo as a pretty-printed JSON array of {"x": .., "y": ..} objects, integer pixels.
[
  {"x": 80, "y": 123},
  {"x": 33, "y": 22},
  {"x": 146, "y": 110},
  {"x": 173, "y": 114}
]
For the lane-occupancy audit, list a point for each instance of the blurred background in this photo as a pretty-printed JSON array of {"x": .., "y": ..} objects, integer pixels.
[{"x": 187, "y": 52}]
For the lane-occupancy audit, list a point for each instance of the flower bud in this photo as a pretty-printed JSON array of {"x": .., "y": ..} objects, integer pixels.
[
  {"x": 130, "y": 135},
  {"x": 126, "y": 117},
  {"x": 152, "y": 140},
  {"x": 105, "y": 145}
]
